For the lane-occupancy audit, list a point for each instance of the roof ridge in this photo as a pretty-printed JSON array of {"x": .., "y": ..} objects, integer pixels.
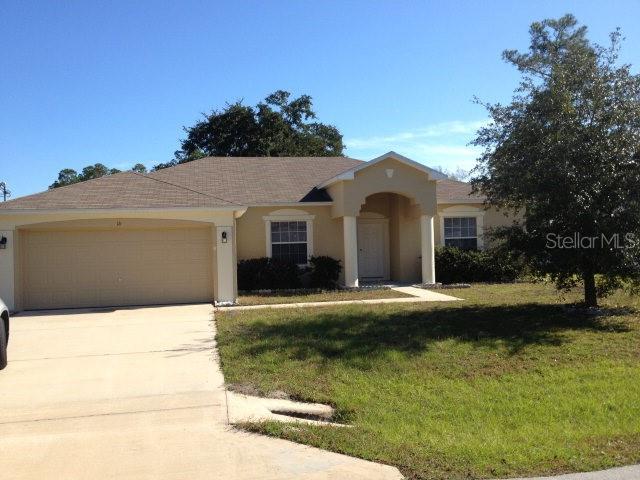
[
  {"x": 233, "y": 182},
  {"x": 318, "y": 157},
  {"x": 185, "y": 188},
  {"x": 453, "y": 180},
  {"x": 208, "y": 157}
]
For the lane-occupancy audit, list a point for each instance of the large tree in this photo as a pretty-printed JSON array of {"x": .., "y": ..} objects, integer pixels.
[
  {"x": 68, "y": 176},
  {"x": 278, "y": 126},
  {"x": 565, "y": 153}
]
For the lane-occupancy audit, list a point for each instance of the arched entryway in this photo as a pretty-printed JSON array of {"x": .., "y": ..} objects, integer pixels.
[
  {"x": 388, "y": 231},
  {"x": 390, "y": 238},
  {"x": 395, "y": 177}
]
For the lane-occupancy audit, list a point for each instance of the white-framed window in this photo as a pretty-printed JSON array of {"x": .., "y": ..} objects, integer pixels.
[
  {"x": 461, "y": 232},
  {"x": 289, "y": 242},
  {"x": 462, "y": 226},
  {"x": 289, "y": 235}
]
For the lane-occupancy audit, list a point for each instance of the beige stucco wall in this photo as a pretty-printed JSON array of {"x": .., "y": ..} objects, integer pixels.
[
  {"x": 495, "y": 218},
  {"x": 220, "y": 217},
  {"x": 252, "y": 237},
  {"x": 111, "y": 223},
  {"x": 404, "y": 230},
  {"x": 490, "y": 217},
  {"x": 349, "y": 195}
]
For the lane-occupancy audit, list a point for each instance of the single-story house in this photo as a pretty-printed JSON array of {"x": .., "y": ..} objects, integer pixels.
[{"x": 176, "y": 235}]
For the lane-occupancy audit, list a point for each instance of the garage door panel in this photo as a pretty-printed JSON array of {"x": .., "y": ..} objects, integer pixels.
[{"x": 65, "y": 269}]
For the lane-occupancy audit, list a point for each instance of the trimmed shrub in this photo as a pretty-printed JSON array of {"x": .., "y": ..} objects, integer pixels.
[
  {"x": 325, "y": 272},
  {"x": 272, "y": 274},
  {"x": 267, "y": 274},
  {"x": 454, "y": 265}
]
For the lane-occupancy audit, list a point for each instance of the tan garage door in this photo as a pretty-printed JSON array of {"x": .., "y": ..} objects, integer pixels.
[{"x": 68, "y": 269}]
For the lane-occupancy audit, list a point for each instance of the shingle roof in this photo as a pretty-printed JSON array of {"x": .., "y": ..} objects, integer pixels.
[
  {"x": 256, "y": 180},
  {"x": 210, "y": 182},
  {"x": 122, "y": 190},
  {"x": 453, "y": 190}
]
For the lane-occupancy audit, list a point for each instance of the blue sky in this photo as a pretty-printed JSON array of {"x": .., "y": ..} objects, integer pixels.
[{"x": 114, "y": 82}]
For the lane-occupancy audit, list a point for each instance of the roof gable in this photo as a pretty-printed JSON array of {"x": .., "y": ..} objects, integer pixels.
[{"x": 350, "y": 174}]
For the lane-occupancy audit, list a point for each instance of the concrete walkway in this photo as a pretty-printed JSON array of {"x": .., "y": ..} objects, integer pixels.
[
  {"x": 426, "y": 295},
  {"x": 136, "y": 394},
  {"x": 419, "y": 295}
]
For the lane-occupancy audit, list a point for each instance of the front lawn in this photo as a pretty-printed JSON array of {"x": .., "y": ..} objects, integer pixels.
[
  {"x": 505, "y": 383},
  {"x": 326, "y": 296}
]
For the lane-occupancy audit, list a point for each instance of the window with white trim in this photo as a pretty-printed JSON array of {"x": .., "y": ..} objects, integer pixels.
[
  {"x": 289, "y": 241},
  {"x": 461, "y": 232}
]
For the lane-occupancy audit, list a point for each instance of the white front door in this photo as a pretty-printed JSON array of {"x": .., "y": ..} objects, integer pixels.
[{"x": 371, "y": 251}]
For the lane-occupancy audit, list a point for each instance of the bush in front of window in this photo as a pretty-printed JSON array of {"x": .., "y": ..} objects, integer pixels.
[
  {"x": 324, "y": 272},
  {"x": 267, "y": 274},
  {"x": 454, "y": 265}
]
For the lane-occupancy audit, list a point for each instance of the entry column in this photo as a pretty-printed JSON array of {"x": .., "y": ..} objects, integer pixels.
[
  {"x": 350, "y": 232},
  {"x": 428, "y": 249}
]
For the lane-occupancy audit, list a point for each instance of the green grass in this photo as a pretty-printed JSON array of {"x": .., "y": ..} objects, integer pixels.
[
  {"x": 505, "y": 383},
  {"x": 327, "y": 296}
]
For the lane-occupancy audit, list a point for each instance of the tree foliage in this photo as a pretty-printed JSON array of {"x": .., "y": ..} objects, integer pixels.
[
  {"x": 278, "y": 126},
  {"x": 139, "y": 168},
  {"x": 68, "y": 176},
  {"x": 566, "y": 153}
]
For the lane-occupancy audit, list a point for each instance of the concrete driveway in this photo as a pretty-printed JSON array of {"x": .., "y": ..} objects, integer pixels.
[{"x": 136, "y": 393}]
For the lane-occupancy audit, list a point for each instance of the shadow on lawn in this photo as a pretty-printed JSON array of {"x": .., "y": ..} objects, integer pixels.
[{"x": 361, "y": 333}]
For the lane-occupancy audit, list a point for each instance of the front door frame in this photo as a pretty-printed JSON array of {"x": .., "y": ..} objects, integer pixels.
[{"x": 386, "y": 262}]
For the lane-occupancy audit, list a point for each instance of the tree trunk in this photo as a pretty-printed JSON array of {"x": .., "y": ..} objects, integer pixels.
[{"x": 590, "y": 297}]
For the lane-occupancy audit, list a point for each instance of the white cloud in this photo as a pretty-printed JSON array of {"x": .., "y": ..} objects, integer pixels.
[{"x": 442, "y": 144}]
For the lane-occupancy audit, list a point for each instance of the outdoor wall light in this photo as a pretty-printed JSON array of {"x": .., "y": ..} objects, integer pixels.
[
  {"x": 3, "y": 242},
  {"x": 223, "y": 237}
]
